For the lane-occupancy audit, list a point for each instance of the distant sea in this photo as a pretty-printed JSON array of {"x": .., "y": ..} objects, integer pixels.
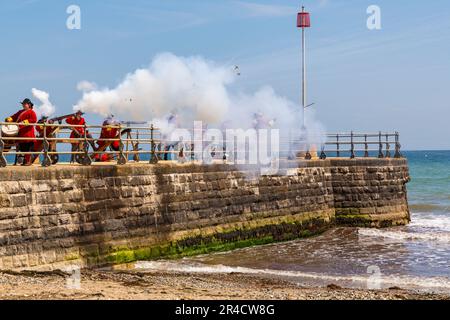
[{"x": 416, "y": 256}]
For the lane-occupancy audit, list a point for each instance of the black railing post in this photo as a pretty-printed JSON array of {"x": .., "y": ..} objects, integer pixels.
[
  {"x": 388, "y": 147},
  {"x": 46, "y": 162},
  {"x": 153, "y": 156},
  {"x": 397, "y": 146},
  {"x": 338, "y": 153},
  {"x": 366, "y": 147},
  {"x": 136, "y": 157},
  {"x": 380, "y": 147},
  {"x": 121, "y": 159},
  {"x": 352, "y": 147},
  {"x": 87, "y": 161},
  {"x": 323, "y": 155},
  {"x": 3, "y": 162}
]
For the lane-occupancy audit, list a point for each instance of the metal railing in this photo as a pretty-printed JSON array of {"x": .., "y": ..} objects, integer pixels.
[
  {"x": 362, "y": 145},
  {"x": 57, "y": 133},
  {"x": 147, "y": 141}
]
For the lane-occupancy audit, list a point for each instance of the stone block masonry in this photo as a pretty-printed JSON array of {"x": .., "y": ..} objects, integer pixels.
[{"x": 108, "y": 214}]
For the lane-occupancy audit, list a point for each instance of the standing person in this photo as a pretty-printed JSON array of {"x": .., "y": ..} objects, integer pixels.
[
  {"x": 78, "y": 132},
  {"x": 48, "y": 132},
  {"x": 262, "y": 122},
  {"x": 172, "y": 124},
  {"x": 24, "y": 118},
  {"x": 110, "y": 130}
]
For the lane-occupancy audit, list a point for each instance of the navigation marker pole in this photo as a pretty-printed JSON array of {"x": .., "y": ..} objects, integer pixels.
[{"x": 304, "y": 21}]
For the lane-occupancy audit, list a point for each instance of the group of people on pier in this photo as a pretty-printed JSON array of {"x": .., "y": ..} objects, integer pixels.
[
  {"x": 29, "y": 126},
  {"x": 32, "y": 137}
]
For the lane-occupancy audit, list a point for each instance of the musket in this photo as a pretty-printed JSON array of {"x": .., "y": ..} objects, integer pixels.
[
  {"x": 57, "y": 119},
  {"x": 128, "y": 123},
  {"x": 61, "y": 118}
]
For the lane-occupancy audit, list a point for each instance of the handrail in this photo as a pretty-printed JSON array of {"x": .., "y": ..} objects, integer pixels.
[
  {"x": 384, "y": 141},
  {"x": 152, "y": 142}
]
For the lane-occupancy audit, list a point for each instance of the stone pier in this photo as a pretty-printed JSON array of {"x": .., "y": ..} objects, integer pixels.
[{"x": 109, "y": 214}]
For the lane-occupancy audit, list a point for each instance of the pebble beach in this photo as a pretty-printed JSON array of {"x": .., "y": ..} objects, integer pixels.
[{"x": 133, "y": 285}]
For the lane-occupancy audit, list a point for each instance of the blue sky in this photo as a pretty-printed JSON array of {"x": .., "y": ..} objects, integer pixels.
[{"x": 396, "y": 78}]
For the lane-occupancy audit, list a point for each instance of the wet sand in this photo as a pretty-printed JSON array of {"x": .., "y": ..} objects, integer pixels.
[{"x": 126, "y": 285}]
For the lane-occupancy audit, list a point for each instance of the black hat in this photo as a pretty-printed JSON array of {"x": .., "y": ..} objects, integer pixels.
[{"x": 28, "y": 101}]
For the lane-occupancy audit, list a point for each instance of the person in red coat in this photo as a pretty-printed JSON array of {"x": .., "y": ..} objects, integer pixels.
[
  {"x": 25, "y": 118},
  {"x": 77, "y": 120},
  {"x": 78, "y": 132},
  {"x": 108, "y": 132},
  {"x": 39, "y": 144}
]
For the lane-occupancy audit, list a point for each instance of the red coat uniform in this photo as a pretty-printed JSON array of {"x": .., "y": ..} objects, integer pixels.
[
  {"x": 49, "y": 130},
  {"x": 76, "y": 122},
  {"x": 103, "y": 157},
  {"x": 109, "y": 133},
  {"x": 25, "y": 117}
]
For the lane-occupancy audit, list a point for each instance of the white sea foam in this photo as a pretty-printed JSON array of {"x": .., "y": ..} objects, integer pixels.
[
  {"x": 439, "y": 222},
  {"x": 404, "y": 235},
  {"x": 423, "y": 227},
  {"x": 436, "y": 284}
]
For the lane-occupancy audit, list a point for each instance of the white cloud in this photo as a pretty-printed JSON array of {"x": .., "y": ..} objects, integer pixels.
[
  {"x": 86, "y": 86},
  {"x": 46, "y": 108}
]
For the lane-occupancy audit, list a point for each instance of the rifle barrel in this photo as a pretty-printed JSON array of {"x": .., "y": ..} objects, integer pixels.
[
  {"x": 133, "y": 122},
  {"x": 64, "y": 117}
]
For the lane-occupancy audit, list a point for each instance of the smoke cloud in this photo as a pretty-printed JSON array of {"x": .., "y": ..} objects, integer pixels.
[
  {"x": 86, "y": 86},
  {"x": 193, "y": 88},
  {"x": 46, "y": 108},
  {"x": 190, "y": 87}
]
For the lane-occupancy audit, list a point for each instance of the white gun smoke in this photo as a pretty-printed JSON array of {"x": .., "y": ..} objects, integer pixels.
[
  {"x": 86, "y": 86},
  {"x": 46, "y": 108},
  {"x": 190, "y": 87},
  {"x": 193, "y": 89}
]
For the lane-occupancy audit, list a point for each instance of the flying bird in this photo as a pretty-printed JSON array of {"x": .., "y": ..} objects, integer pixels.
[{"x": 236, "y": 69}]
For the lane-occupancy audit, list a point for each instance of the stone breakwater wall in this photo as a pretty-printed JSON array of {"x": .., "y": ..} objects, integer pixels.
[{"x": 108, "y": 214}]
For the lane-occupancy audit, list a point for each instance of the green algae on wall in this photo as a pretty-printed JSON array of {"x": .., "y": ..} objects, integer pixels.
[{"x": 217, "y": 243}]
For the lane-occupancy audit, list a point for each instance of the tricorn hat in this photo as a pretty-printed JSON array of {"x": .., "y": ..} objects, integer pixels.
[{"x": 28, "y": 101}]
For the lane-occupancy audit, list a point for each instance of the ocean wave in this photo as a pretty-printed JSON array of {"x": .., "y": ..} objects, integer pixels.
[
  {"x": 438, "y": 222},
  {"x": 403, "y": 235},
  {"x": 440, "y": 284}
]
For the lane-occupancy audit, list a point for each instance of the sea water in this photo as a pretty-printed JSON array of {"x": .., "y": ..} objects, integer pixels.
[{"x": 416, "y": 256}]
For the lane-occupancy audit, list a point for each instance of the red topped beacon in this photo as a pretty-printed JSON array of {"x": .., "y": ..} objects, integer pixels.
[{"x": 303, "y": 19}]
